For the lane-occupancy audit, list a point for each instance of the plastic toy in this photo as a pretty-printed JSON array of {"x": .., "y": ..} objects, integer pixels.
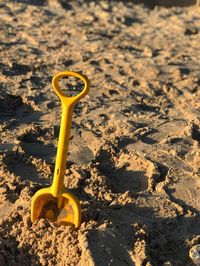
[{"x": 55, "y": 202}]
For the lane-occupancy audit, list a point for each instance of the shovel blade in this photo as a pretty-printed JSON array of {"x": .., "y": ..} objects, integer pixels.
[{"x": 64, "y": 209}]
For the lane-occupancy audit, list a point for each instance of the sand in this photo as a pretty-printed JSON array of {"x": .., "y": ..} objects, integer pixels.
[{"x": 134, "y": 153}]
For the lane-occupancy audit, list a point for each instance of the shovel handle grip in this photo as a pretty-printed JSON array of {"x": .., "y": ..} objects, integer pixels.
[{"x": 73, "y": 99}]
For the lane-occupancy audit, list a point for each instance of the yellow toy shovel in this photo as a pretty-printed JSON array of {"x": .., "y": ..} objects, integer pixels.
[{"x": 54, "y": 202}]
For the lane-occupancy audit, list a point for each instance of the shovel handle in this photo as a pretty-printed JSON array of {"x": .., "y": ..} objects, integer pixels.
[
  {"x": 70, "y": 100},
  {"x": 64, "y": 135}
]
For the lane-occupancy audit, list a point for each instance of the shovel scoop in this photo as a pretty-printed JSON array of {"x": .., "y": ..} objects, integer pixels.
[{"x": 55, "y": 202}]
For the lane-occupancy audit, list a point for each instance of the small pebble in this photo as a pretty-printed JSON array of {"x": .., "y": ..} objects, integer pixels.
[{"x": 195, "y": 254}]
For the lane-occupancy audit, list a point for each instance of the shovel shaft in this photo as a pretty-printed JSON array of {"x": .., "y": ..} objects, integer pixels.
[
  {"x": 63, "y": 144},
  {"x": 68, "y": 103}
]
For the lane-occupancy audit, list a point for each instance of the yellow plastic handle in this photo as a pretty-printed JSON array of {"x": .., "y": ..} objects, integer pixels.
[
  {"x": 70, "y": 99},
  {"x": 66, "y": 119}
]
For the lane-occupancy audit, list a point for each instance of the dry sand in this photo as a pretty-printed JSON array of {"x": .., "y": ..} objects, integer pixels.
[{"x": 135, "y": 143}]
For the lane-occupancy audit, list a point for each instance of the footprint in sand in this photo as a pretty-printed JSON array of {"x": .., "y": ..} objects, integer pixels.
[
  {"x": 81, "y": 155},
  {"x": 17, "y": 163},
  {"x": 132, "y": 173}
]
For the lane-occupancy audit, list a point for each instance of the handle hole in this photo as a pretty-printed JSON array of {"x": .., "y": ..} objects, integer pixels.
[{"x": 71, "y": 86}]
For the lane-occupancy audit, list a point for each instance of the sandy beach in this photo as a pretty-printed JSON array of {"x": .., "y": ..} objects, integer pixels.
[{"x": 134, "y": 154}]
